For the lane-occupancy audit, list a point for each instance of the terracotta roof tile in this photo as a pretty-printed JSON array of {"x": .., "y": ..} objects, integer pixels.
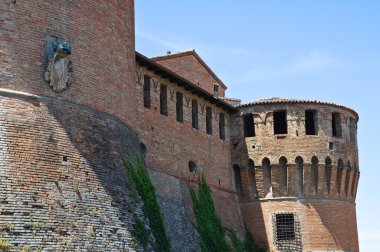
[{"x": 276, "y": 100}]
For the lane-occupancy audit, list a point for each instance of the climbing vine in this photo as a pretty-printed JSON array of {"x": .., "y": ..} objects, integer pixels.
[
  {"x": 139, "y": 176},
  {"x": 212, "y": 235}
]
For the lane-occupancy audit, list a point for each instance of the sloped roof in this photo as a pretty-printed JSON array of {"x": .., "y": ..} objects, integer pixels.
[
  {"x": 276, "y": 100},
  {"x": 182, "y": 82},
  {"x": 193, "y": 53}
]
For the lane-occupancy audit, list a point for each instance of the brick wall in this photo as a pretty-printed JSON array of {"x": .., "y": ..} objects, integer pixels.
[
  {"x": 62, "y": 183},
  {"x": 172, "y": 144},
  {"x": 102, "y": 36},
  {"x": 189, "y": 67}
]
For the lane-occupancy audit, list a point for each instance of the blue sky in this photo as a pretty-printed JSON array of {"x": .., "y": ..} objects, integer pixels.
[{"x": 325, "y": 50}]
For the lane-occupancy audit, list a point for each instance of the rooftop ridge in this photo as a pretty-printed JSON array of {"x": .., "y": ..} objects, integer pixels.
[{"x": 274, "y": 100}]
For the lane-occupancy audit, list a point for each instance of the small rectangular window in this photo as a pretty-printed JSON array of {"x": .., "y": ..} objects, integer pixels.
[
  {"x": 311, "y": 122},
  {"x": 163, "y": 100},
  {"x": 179, "y": 107},
  {"x": 280, "y": 123},
  {"x": 249, "y": 126},
  {"x": 216, "y": 88},
  {"x": 285, "y": 227},
  {"x": 222, "y": 125},
  {"x": 209, "y": 120},
  {"x": 194, "y": 114},
  {"x": 146, "y": 91},
  {"x": 336, "y": 125}
]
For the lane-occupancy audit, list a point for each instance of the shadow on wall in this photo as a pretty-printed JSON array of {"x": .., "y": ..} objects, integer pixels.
[{"x": 65, "y": 186}]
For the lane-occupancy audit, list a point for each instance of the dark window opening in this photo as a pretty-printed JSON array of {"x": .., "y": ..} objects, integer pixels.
[
  {"x": 208, "y": 120},
  {"x": 249, "y": 126},
  {"x": 194, "y": 114},
  {"x": 163, "y": 100},
  {"x": 280, "y": 122},
  {"x": 336, "y": 125},
  {"x": 311, "y": 122},
  {"x": 331, "y": 146},
  {"x": 285, "y": 227},
  {"x": 146, "y": 91},
  {"x": 216, "y": 88},
  {"x": 179, "y": 107},
  {"x": 222, "y": 125},
  {"x": 64, "y": 158},
  {"x": 192, "y": 167},
  {"x": 238, "y": 182}
]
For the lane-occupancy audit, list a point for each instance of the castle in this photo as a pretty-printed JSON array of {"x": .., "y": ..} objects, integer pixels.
[{"x": 75, "y": 98}]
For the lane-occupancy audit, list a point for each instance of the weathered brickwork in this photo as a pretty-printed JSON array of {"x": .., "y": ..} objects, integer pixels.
[
  {"x": 63, "y": 186},
  {"x": 295, "y": 178},
  {"x": 326, "y": 225},
  {"x": 190, "y": 66},
  {"x": 102, "y": 36},
  {"x": 171, "y": 145},
  {"x": 62, "y": 183}
]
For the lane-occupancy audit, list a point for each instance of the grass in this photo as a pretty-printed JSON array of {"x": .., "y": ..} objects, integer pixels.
[{"x": 5, "y": 245}]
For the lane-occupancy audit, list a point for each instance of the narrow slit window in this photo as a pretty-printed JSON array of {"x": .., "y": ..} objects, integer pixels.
[
  {"x": 209, "y": 120},
  {"x": 249, "y": 126},
  {"x": 222, "y": 125},
  {"x": 163, "y": 100},
  {"x": 179, "y": 106},
  {"x": 146, "y": 91},
  {"x": 311, "y": 122},
  {"x": 194, "y": 114},
  {"x": 336, "y": 125},
  {"x": 280, "y": 123}
]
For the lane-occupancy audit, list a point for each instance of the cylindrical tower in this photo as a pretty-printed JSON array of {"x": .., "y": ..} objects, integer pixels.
[
  {"x": 67, "y": 116},
  {"x": 296, "y": 170}
]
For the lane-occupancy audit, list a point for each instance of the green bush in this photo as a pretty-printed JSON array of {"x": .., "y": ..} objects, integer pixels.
[
  {"x": 140, "y": 177},
  {"x": 212, "y": 235},
  {"x": 209, "y": 227}
]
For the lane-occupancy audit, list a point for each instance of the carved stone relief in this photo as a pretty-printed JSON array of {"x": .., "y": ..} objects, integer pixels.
[{"x": 58, "y": 72}]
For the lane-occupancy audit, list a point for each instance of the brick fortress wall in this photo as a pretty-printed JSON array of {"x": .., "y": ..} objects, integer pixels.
[
  {"x": 62, "y": 184},
  {"x": 297, "y": 179},
  {"x": 171, "y": 145}
]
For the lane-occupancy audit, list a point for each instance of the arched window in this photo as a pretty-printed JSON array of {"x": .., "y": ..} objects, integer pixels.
[
  {"x": 299, "y": 176},
  {"x": 238, "y": 183},
  {"x": 314, "y": 175},
  {"x": 348, "y": 177},
  {"x": 267, "y": 174},
  {"x": 339, "y": 175},
  {"x": 252, "y": 177},
  {"x": 283, "y": 178},
  {"x": 328, "y": 171}
]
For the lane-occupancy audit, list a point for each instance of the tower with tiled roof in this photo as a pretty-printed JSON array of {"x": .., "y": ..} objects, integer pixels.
[{"x": 296, "y": 172}]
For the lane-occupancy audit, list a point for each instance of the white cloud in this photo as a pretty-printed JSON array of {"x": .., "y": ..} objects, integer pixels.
[
  {"x": 160, "y": 41},
  {"x": 316, "y": 60}
]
